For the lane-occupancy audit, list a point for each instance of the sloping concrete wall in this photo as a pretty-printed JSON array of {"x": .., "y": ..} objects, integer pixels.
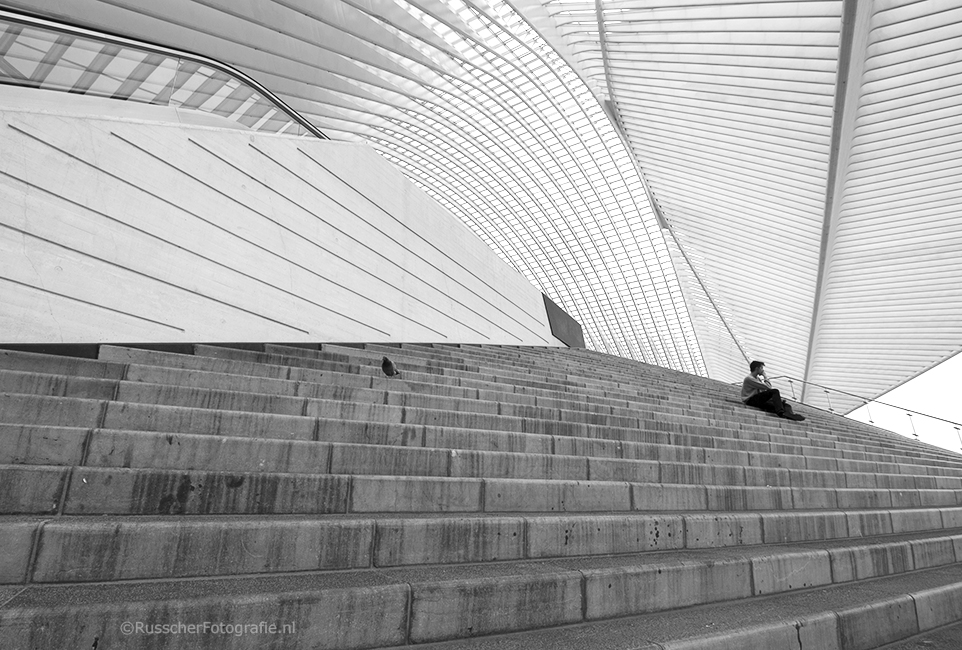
[{"x": 122, "y": 228}]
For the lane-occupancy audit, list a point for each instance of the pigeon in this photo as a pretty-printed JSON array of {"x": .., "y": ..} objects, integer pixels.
[{"x": 389, "y": 368}]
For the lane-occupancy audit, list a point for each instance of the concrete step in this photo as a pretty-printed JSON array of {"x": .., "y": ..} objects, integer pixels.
[
  {"x": 739, "y": 407},
  {"x": 860, "y": 616},
  {"x": 717, "y": 484},
  {"x": 386, "y": 607},
  {"x": 489, "y": 490},
  {"x": 273, "y": 402},
  {"x": 838, "y": 548},
  {"x": 946, "y": 637},
  {"x": 439, "y": 461},
  {"x": 40, "y": 489},
  {"x": 393, "y": 454},
  {"x": 307, "y": 354},
  {"x": 703, "y": 384}
]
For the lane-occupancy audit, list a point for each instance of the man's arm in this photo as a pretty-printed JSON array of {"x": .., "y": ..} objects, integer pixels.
[{"x": 763, "y": 383}]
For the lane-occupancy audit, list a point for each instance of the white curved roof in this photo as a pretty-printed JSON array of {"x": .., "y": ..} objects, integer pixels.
[{"x": 696, "y": 182}]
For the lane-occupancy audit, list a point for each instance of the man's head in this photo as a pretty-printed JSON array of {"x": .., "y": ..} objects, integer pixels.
[{"x": 756, "y": 367}]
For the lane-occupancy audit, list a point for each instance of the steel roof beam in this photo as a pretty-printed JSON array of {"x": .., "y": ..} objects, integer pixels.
[{"x": 852, "y": 50}]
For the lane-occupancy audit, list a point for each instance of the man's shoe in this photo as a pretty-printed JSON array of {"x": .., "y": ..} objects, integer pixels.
[{"x": 795, "y": 416}]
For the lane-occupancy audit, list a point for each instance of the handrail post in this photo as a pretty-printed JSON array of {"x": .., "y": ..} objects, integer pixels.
[
  {"x": 871, "y": 421},
  {"x": 960, "y": 437},
  {"x": 829, "y": 400},
  {"x": 792, "y": 386},
  {"x": 913, "y": 425}
]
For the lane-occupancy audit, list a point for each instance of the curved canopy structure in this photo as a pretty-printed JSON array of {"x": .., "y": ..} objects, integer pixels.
[{"x": 698, "y": 183}]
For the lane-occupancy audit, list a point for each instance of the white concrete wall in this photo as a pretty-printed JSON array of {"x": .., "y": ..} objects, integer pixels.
[{"x": 121, "y": 228}]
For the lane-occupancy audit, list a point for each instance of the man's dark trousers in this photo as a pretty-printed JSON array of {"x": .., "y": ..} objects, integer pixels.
[{"x": 769, "y": 400}]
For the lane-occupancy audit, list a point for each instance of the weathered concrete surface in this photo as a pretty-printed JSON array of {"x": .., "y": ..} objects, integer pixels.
[
  {"x": 803, "y": 526},
  {"x": 639, "y": 589},
  {"x": 493, "y": 464},
  {"x": 851, "y": 498},
  {"x": 59, "y": 365},
  {"x": 774, "y": 574},
  {"x": 652, "y": 496},
  {"x": 131, "y": 491},
  {"x": 938, "y": 606},
  {"x": 447, "y": 610},
  {"x": 158, "y": 450},
  {"x": 868, "y": 523},
  {"x": 396, "y": 476},
  {"x": 415, "y": 494},
  {"x": 860, "y": 563},
  {"x": 932, "y": 552},
  {"x": 83, "y": 551},
  {"x": 634, "y": 471},
  {"x": 524, "y": 443},
  {"x": 209, "y": 398},
  {"x": 377, "y": 459},
  {"x": 944, "y": 638},
  {"x": 726, "y": 498},
  {"x": 951, "y": 517},
  {"x": 31, "y": 489},
  {"x": 447, "y": 540},
  {"x": 871, "y": 625},
  {"x": 939, "y": 497},
  {"x": 50, "y": 411},
  {"x": 329, "y": 619},
  {"x": 905, "y": 520},
  {"x": 17, "y": 541},
  {"x": 707, "y": 531},
  {"x": 146, "y": 417},
  {"x": 155, "y": 374},
  {"x": 814, "y": 498},
  {"x": 513, "y": 495},
  {"x": 783, "y": 636},
  {"x": 27, "y": 444},
  {"x": 568, "y": 536},
  {"x": 41, "y": 384}
]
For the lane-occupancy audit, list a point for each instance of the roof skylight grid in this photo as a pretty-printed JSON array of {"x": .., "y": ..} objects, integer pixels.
[{"x": 548, "y": 187}]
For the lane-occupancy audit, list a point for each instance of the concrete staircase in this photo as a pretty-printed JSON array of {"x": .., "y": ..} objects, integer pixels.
[{"x": 489, "y": 497}]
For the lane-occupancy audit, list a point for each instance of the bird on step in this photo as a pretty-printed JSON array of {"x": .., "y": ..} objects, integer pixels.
[{"x": 389, "y": 368}]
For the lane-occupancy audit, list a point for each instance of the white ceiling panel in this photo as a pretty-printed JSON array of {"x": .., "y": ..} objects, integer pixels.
[{"x": 698, "y": 182}]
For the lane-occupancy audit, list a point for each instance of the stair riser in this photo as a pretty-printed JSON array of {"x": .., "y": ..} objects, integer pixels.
[
  {"x": 259, "y": 403},
  {"x": 446, "y": 610},
  {"x": 51, "y": 411},
  {"x": 163, "y": 451},
  {"x": 330, "y": 620},
  {"x": 62, "y": 366},
  {"x": 78, "y": 551},
  {"x": 39, "y": 490}
]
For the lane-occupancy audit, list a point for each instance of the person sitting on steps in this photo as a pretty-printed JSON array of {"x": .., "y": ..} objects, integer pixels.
[{"x": 757, "y": 391}]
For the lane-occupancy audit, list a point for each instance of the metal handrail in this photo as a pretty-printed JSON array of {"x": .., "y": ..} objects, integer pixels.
[
  {"x": 84, "y": 32},
  {"x": 865, "y": 400}
]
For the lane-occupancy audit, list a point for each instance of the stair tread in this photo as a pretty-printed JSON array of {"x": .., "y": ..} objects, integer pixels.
[
  {"x": 526, "y": 569},
  {"x": 454, "y": 503},
  {"x": 718, "y": 619}
]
